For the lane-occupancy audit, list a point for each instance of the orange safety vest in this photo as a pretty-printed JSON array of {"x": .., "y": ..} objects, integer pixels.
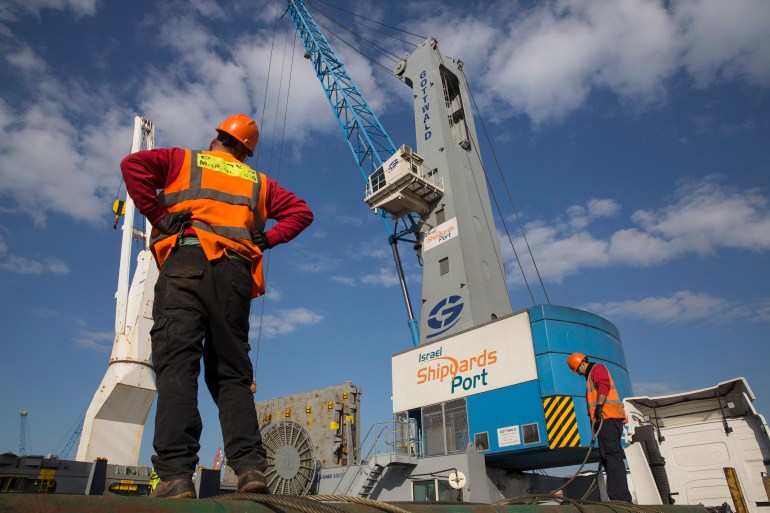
[
  {"x": 613, "y": 406},
  {"x": 227, "y": 201}
]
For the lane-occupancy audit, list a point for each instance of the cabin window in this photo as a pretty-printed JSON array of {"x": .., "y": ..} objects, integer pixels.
[
  {"x": 481, "y": 441},
  {"x": 531, "y": 433},
  {"x": 424, "y": 491},
  {"x": 445, "y": 428},
  {"x": 432, "y": 490}
]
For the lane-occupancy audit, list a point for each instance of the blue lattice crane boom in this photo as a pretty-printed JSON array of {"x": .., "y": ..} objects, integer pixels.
[
  {"x": 370, "y": 143},
  {"x": 65, "y": 451},
  {"x": 366, "y": 137}
]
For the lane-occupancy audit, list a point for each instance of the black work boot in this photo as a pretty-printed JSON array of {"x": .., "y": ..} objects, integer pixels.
[
  {"x": 175, "y": 489},
  {"x": 252, "y": 481}
]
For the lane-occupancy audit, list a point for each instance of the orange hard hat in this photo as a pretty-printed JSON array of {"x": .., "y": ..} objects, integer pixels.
[
  {"x": 574, "y": 360},
  {"x": 243, "y": 128}
]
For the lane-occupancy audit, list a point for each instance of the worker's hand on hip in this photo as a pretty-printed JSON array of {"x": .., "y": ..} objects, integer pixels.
[
  {"x": 260, "y": 241},
  {"x": 173, "y": 222}
]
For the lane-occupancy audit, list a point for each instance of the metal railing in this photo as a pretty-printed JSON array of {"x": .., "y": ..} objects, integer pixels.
[
  {"x": 377, "y": 180},
  {"x": 393, "y": 438},
  {"x": 393, "y": 441}
]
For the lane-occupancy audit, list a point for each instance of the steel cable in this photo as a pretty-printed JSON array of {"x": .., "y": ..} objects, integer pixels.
[
  {"x": 378, "y": 23},
  {"x": 593, "y": 485},
  {"x": 491, "y": 193},
  {"x": 309, "y": 503},
  {"x": 537, "y": 498},
  {"x": 269, "y": 67},
  {"x": 298, "y": 503},
  {"x": 628, "y": 506},
  {"x": 384, "y": 506},
  {"x": 388, "y": 70},
  {"x": 278, "y": 173},
  {"x": 393, "y": 57},
  {"x": 515, "y": 210},
  {"x": 594, "y": 434}
]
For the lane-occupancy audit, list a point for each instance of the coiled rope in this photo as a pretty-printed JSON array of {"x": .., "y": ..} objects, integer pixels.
[
  {"x": 540, "y": 498},
  {"x": 309, "y": 503}
]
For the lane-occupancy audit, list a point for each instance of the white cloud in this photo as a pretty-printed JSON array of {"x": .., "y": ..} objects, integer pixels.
[
  {"x": 680, "y": 307},
  {"x": 550, "y": 58},
  {"x": 25, "y": 60},
  {"x": 763, "y": 311},
  {"x": 374, "y": 248},
  {"x": 653, "y": 389},
  {"x": 208, "y": 8},
  {"x": 45, "y": 164},
  {"x": 724, "y": 39},
  {"x": 341, "y": 214},
  {"x": 272, "y": 293},
  {"x": 12, "y": 10},
  {"x": 558, "y": 253},
  {"x": 23, "y": 265},
  {"x": 580, "y": 216},
  {"x": 284, "y": 321},
  {"x": 708, "y": 215},
  {"x": 603, "y": 208},
  {"x": 345, "y": 280},
  {"x": 317, "y": 263},
  {"x": 545, "y": 61},
  {"x": 99, "y": 341},
  {"x": 385, "y": 276},
  {"x": 702, "y": 217},
  {"x": 223, "y": 75},
  {"x": 637, "y": 248}
]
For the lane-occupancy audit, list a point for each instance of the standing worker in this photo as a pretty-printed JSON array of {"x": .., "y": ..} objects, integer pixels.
[
  {"x": 605, "y": 409},
  {"x": 208, "y": 239}
]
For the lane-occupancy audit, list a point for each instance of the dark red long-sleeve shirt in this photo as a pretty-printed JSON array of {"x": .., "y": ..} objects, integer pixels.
[
  {"x": 601, "y": 378},
  {"x": 147, "y": 171}
]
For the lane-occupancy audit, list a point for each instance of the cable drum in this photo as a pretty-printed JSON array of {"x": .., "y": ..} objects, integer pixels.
[{"x": 291, "y": 465}]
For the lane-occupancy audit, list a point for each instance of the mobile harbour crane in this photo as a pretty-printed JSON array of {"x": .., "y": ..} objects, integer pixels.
[{"x": 466, "y": 313}]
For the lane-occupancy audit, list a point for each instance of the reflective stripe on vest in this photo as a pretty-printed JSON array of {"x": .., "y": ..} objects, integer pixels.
[
  {"x": 613, "y": 406},
  {"x": 227, "y": 201},
  {"x": 200, "y": 160}
]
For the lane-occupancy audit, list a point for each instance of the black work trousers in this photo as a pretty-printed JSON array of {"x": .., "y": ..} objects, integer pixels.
[
  {"x": 611, "y": 455},
  {"x": 201, "y": 310}
]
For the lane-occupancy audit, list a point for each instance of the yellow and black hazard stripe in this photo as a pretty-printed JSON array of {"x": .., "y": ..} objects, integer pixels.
[{"x": 561, "y": 422}]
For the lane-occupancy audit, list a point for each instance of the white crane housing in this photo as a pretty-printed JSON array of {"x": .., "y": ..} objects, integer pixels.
[{"x": 114, "y": 422}]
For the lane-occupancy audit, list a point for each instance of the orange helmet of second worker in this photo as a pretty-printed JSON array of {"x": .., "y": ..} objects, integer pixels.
[
  {"x": 243, "y": 128},
  {"x": 574, "y": 360}
]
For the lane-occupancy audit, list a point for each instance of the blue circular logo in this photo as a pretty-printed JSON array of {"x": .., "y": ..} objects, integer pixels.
[
  {"x": 444, "y": 315},
  {"x": 393, "y": 164}
]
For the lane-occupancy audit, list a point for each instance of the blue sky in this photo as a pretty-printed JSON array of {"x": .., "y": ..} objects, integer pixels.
[{"x": 633, "y": 136}]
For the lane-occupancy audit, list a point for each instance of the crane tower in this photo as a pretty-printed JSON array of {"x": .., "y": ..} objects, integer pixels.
[
  {"x": 114, "y": 422},
  {"x": 23, "y": 432},
  {"x": 464, "y": 283}
]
